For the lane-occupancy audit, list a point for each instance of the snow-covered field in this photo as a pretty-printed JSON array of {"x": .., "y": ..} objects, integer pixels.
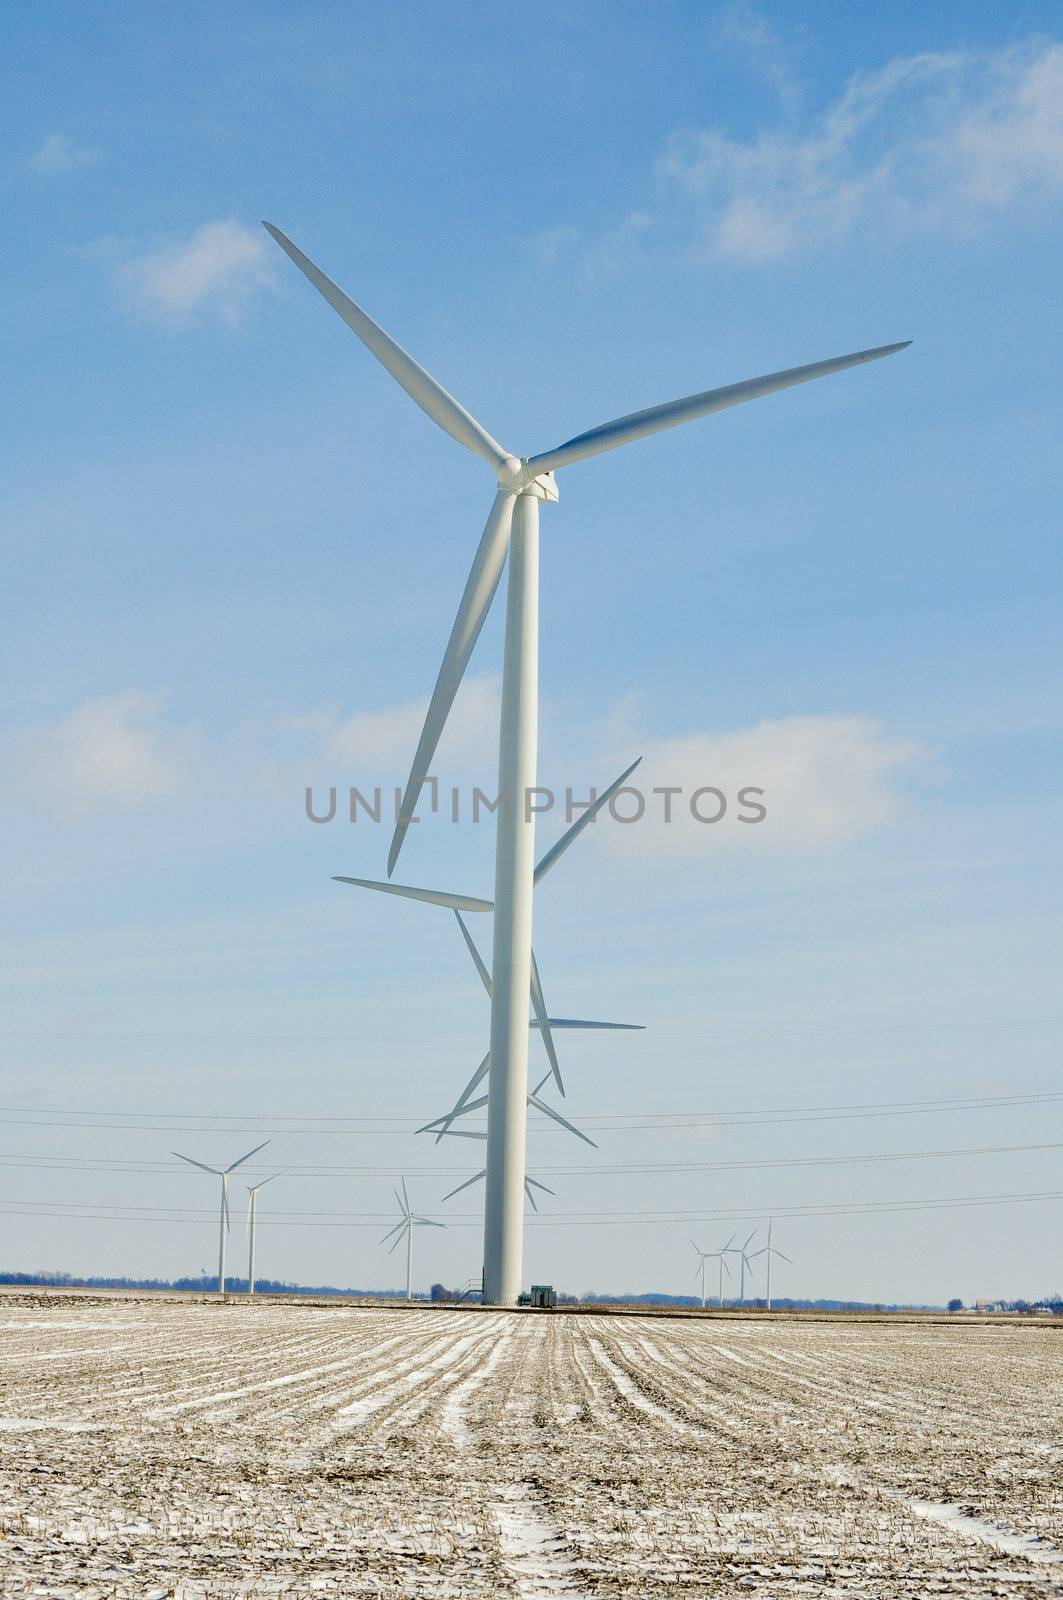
[{"x": 152, "y": 1448}]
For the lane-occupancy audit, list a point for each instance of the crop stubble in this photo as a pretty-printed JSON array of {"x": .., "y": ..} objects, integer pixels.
[{"x": 150, "y": 1448}]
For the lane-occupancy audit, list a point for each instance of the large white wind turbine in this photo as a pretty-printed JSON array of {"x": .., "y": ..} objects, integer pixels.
[
  {"x": 405, "y": 1226},
  {"x": 223, "y": 1226},
  {"x": 769, "y": 1250},
  {"x": 252, "y": 1219},
  {"x": 513, "y": 529}
]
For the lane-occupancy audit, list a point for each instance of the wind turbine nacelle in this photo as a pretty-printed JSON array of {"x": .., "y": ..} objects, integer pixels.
[{"x": 515, "y": 476}]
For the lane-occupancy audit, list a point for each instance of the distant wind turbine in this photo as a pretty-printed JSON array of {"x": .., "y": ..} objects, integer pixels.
[
  {"x": 406, "y": 1225},
  {"x": 740, "y": 1251},
  {"x": 769, "y": 1250},
  {"x": 252, "y": 1216},
  {"x": 223, "y": 1174},
  {"x": 512, "y": 532},
  {"x": 713, "y": 1255}
]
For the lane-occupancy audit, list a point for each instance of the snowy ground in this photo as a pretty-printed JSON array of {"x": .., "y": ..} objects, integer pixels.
[{"x": 151, "y": 1448}]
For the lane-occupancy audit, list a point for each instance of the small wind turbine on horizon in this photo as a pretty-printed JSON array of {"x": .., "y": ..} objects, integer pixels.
[
  {"x": 223, "y": 1226},
  {"x": 407, "y": 1223},
  {"x": 713, "y": 1255},
  {"x": 740, "y": 1251},
  {"x": 769, "y": 1250},
  {"x": 252, "y": 1217},
  {"x": 512, "y": 533}
]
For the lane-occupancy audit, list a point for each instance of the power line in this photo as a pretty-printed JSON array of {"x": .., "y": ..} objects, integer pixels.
[
  {"x": 290, "y": 1037},
  {"x": 578, "y": 1219},
  {"x": 620, "y": 1122},
  {"x": 612, "y": 1169}
]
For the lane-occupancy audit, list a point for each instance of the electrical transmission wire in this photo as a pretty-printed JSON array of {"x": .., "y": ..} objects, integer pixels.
[
  {"x": 581, "y": 1219},
  {"x": 604, "y": 1169},
  {"x": 620, "y": 1122}
]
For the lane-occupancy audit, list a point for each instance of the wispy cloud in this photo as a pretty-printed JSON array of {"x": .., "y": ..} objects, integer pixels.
[
  {"x": 58, "y": 154},
  {"x": 217, "y": 271},
  {"x": 111, "y": 750},
  {"x": 375, "y": 745},
  {"x": 618, "y": 250},
  {"x": 942, "y": 142},
  {"x": 743, "y": 31},
  {"x": 825, "y": 780}
]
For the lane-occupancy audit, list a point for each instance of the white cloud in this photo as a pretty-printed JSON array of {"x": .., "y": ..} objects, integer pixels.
[
  {"x": 934, "y": 141},
  {"x": 112, "y": 750},
  {"x": 218, "y": 270},
  {"x": 826, "y": 779},
  {"x": 550, "y": 245},
  {"x": 58, "y": 154},
  {"x": 373, "y": 745},
  {"x": 619, "y": 249},
  {"x": 741, "y": 29}
]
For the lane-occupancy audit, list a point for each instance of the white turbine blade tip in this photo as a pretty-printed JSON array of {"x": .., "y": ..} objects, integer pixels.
[
  {"x": 432, "y": 897},
  {"x": 569, "y": 837},
  {"x": 641, "y": 424},
  {"x": 421, "y": 387}
]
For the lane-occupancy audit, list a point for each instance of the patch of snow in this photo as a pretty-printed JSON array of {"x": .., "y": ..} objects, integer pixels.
[{"x": 959, "y": 1521}]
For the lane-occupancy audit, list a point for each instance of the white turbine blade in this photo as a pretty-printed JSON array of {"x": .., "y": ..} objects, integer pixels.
[
  {"x": 556, "y": 851},
  {"x": 476, "y": 600},
  {"x": 477, "y": 1177},
  {"x": 419, "y": 384},
  {"x": 758, "y": 1253},
  {"x": 749, "y": 1241},
  {"x": 728, "y": 1245},
  {"x": 782, "y": 1257},
  {"x": 541, "y": 1105},
  {"x": 426, "y": 1222},
  {"x": 405, "y": 1228},
  {"x": 577, "y": 1022},
  {"x": 464, "y": 1133},
  {"x": 461, "y": 1103},
  {"x": 250, "y": 1153},
  {"x": 432, "y": 897},
  {"x": 640, "y": 424},
  {"x": 200, "y": 1164},
  {"x": 392, "y": 1231},
  {"x": 467, "y": 1109},
  {"x": 405, "y": 1197},
  {"x": 252, "y": 1188},
  {"x": 531, "y": 1197},
  {"x": 539, "y": 1005},
  {"x": 403, "y": 1204},
  {"x": 698, "y": 1248},
  {"x": 725, "y": 1267},
  {"x": 537, "y": 1185},
  {"x": 485, "y": 976}
]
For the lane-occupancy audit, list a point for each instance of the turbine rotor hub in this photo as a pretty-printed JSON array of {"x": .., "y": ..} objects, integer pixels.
[{"x": 516, "y": 477}]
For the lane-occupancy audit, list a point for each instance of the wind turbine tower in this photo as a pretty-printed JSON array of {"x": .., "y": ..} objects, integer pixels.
[
  {"x": 744, "y": 1262},
  {"x": 252, "y": 1218},
  {"x": 512, "y": 530},
  {"x": 223, "y": 1223},
  {"x": 769, "y": 1250}
]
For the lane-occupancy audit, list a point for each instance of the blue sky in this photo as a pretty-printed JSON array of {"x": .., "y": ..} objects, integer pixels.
[{"x": 233, "y": 550}]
